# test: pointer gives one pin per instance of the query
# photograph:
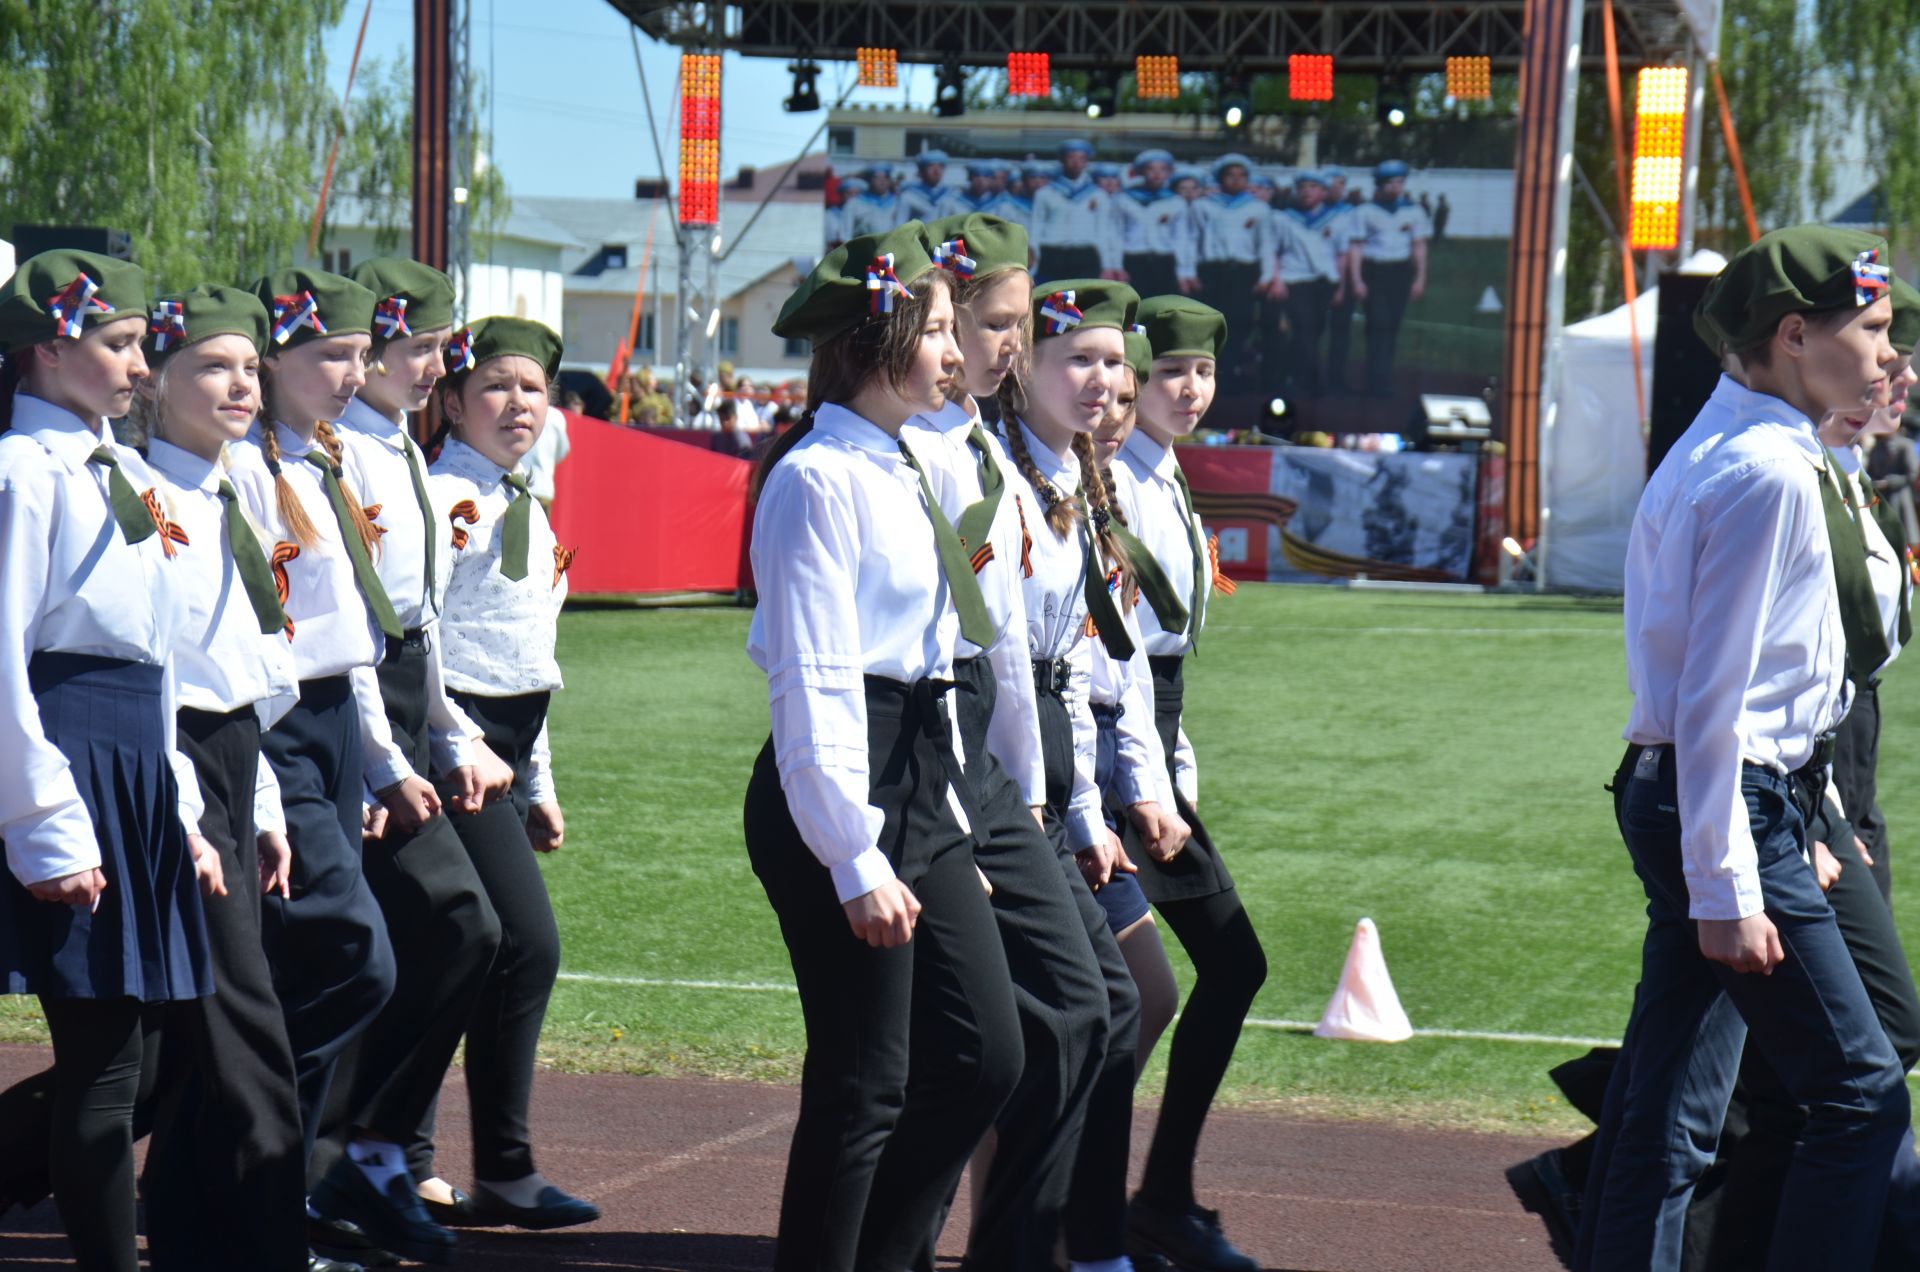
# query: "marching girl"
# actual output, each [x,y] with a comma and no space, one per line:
[98,811]
[913,1041]
[1191,889]
[227,1064]
[325,938]
[442,927]
[506,583]
[1076,1000]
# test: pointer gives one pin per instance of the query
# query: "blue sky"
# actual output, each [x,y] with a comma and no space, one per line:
[567,113]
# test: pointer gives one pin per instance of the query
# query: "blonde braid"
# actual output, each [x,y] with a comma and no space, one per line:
[1063,512]
[330,441]
[1103,507]
[293,513]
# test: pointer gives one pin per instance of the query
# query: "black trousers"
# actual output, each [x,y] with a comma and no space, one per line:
[1856,760]
[911,1051]
[228,1196]
[503,1031]
[1078,261]
[1340,341]
[1150,273]
[1308,304]
[1079,1016]
[332,963]
[1228,287]
[444,934]
[1388,285]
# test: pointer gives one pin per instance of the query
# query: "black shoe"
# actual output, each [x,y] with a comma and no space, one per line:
[331,1236]
[321,1263]
[1190,1239]
[392,1220]
[1542,1186]
[458,1213]
[552,1209]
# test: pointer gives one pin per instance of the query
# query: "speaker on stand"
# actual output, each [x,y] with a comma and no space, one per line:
[1684,369]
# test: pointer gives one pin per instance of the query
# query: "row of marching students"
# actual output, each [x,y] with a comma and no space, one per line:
[278,689]
[956,626]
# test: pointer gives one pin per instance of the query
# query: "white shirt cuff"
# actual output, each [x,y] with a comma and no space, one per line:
[861,874]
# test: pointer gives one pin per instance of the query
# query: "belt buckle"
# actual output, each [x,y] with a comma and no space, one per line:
[1647,767]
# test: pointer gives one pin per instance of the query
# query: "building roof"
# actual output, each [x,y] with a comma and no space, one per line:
[784,234]
[524,222]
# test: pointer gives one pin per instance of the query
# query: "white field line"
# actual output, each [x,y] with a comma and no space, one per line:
[1287,1026]
[1612,633]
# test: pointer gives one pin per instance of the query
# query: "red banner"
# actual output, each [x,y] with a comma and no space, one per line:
[647,514]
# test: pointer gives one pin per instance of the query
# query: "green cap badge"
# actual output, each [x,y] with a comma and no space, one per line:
[208,310]
[1181,327]
[311,304]
[862,277]
[1796,270]
[492,338]
[975,245]
[409,297]
[1077,304]
[59,294]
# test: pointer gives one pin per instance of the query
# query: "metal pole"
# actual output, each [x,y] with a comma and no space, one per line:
[1690,155]
[460,147]
[1556,309]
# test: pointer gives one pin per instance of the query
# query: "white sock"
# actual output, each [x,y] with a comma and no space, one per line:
[380,1162]
[524,1192]
[1121,1264]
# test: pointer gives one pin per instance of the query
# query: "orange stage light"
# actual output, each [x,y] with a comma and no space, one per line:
[879,68]
[1029,75]
[1470,78]
[1310,77]
[1659,141]
[1156,78]
[699,139]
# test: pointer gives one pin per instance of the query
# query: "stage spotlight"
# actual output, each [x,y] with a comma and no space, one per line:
[805,96]
[950,91]
[1277,408]
[1392,101]
[1310,77]
[1236,105]
[1103,91]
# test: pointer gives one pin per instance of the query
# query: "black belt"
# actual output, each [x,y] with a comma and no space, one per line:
[413,641]
[923,699]
[1050,676]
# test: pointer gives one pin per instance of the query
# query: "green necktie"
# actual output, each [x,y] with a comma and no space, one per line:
[1888,518]
[1202,571]
[1859,609]
[1102,608]
[515,529]
[363,571]
[1154,583]
[136,523]
[976,521]
[251,564]
[427,519]
[976,625]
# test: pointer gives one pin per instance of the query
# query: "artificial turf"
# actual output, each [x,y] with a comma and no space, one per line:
[1435,762]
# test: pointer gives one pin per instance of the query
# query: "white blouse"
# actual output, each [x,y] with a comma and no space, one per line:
[377,454]
[222,661]
[70,582]
[334,631]
[1157,515]
[1140,762]
[940,442]
[497,634]
[850,586]
[1057,628]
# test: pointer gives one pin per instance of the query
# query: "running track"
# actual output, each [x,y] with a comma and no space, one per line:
[688,1173]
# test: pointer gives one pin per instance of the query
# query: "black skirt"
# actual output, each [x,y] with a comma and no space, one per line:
[1198,871]
[148,938]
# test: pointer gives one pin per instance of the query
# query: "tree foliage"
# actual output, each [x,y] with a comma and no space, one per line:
[192,124]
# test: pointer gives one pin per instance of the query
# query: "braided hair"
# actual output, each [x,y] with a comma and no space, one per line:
[1094,506]
[286,500]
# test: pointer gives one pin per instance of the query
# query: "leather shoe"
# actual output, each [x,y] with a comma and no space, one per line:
[552,1209]
[458,1213]
[1190,1239]
[392,1220]
[321,1263]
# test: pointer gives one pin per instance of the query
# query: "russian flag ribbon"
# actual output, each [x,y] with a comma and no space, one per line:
[883,285]
[290,313]
[1869,277]
[75,301]
[1061,314]
[167,324]
[460,351]
[952,256]
[391,318]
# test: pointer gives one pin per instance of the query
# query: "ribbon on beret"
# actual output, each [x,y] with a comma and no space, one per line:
[1060,312]
[460,351]
[391,317]
[952,255]
[71,306]
[290,313]
[167,324]
[883,285]
[1869,278]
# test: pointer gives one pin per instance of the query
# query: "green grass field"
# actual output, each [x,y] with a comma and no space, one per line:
[1435,762]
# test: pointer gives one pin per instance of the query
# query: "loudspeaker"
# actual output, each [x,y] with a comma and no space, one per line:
[1684,369]
[31,240]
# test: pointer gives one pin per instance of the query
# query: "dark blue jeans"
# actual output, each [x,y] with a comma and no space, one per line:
[1810,1018]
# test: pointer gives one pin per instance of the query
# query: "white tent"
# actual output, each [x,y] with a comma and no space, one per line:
[6,260]
[1595,454]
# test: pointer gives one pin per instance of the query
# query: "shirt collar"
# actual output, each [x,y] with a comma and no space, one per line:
[291,447]
[1749,408]
[68,436]
[463,459]
[1158,459]
[836,421]
[362,417]
[955,418]
[1064,473]
[1849,458]
[183,465]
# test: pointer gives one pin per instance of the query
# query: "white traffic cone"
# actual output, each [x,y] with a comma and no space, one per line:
[1489,301]
[1364,1007]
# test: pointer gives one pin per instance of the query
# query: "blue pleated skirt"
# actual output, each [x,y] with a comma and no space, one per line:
[148,938]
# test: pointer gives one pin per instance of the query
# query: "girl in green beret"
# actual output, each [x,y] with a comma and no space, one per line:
[506,582]
[99,811]
[913,1042]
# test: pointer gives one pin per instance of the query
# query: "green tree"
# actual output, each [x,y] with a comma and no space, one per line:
[192,124]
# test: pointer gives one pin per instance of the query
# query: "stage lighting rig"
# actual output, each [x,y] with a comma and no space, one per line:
[1235,100]
[950,91]
[1393,102]
[805,96]
[1103,92]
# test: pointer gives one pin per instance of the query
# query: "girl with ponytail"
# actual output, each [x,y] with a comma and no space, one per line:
[327,941]
[850,813]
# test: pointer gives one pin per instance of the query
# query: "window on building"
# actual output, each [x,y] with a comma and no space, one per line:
[613,256]
[798,347]
[730,335]
[840,140]
[336,261]
[645,339]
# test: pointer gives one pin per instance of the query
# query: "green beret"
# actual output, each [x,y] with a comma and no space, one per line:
[188,317]
[1181,327]
[62,292]
[491,338]
[975,244]
[1082,304]
[1797,270]
[1905,332]
[1139,353]
[863,276]
[409,297]
[311,304]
